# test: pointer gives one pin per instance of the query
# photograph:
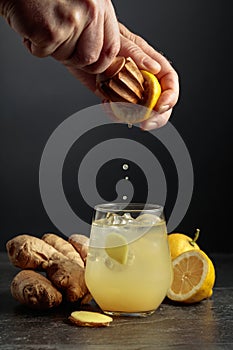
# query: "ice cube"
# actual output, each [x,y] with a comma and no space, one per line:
[148,219]
[128,217]
[131,258]
[115,219]
[93,255]
[113,265]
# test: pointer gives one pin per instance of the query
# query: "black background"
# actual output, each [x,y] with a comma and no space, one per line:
[36,95]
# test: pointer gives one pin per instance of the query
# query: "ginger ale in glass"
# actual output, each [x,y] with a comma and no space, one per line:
[128,267]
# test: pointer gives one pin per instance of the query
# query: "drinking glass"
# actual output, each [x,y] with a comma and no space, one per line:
[128,267]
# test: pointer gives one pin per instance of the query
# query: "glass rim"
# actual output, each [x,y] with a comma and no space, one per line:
[128,207]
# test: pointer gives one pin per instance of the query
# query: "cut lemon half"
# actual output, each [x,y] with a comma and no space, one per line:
[116,247]
[135,113]
[193,277]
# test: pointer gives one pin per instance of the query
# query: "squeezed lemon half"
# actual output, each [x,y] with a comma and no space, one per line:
[116,247]
[152,91]
[134,113]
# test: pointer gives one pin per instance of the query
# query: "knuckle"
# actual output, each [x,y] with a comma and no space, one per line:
[137,39]
[133,49]
[47,37]
[112,51]
[88,59]
[92,8]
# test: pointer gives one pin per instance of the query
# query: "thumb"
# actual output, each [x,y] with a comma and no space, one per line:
[142,60]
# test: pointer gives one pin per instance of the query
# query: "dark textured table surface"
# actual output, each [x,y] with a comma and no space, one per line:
[207,325]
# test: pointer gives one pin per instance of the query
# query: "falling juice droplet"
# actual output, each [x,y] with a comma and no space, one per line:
[125,167]
[126,178]
[124,198]
[130,126]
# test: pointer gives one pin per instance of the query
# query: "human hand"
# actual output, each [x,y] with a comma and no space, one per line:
[79,33]
[85,38]
[146,57]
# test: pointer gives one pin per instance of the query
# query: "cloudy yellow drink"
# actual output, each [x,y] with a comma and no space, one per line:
[128,267]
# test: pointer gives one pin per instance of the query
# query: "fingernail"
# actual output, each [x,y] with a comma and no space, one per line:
[150,126]
[151,65]
[163,109]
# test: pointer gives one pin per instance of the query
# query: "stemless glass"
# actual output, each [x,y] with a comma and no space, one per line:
[128,267]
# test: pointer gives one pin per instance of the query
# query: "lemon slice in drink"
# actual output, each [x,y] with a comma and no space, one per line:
[116,247]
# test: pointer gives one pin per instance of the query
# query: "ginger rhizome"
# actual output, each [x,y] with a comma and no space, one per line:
[63,247]
[31,288]
[80,243]
[62,264]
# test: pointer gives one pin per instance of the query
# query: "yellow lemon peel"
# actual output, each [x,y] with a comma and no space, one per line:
[180,243]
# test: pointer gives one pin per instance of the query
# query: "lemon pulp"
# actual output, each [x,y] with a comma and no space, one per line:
[194,277]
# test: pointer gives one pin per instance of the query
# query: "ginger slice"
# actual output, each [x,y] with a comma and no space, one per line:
[90,319]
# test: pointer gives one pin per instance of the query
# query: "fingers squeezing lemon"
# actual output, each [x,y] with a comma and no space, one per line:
[132,93]
[135,113]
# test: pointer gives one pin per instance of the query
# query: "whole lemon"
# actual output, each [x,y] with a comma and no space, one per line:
[180,243]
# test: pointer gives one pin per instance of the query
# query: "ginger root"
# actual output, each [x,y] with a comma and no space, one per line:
[29,252]
[80,243]
[34,290]
[63,247]
[63,265]
[68,276]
